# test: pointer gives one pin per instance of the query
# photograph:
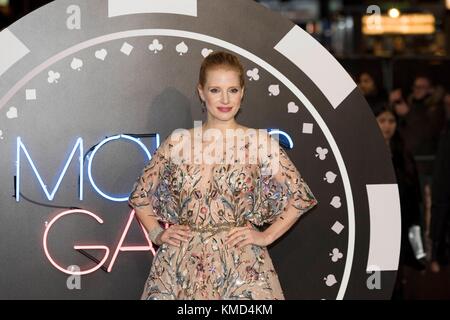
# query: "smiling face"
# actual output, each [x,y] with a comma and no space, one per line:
[222,93]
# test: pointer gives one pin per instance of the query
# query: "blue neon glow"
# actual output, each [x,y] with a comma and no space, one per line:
[91,157]
[284,134]
[50,196]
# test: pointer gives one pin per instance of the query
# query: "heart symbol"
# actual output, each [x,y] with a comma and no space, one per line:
[274,90]
[330,280]
[101,54]
[336,202]
[181,48]
[206,52]
[330,177]
[292,107]
[12,113]
[76,64]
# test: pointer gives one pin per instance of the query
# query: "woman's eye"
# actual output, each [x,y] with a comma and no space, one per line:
[217,90]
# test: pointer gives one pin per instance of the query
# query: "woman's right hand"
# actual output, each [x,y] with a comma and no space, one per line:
[175,234]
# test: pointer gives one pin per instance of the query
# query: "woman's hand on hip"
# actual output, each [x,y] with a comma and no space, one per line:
[175,234]
[242,236]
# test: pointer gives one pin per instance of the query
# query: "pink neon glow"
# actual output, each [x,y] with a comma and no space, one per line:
[130,248]
[57,266]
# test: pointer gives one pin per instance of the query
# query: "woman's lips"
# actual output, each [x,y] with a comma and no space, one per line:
[224,109]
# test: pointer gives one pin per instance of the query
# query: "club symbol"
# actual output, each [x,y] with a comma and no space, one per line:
[321,153]
[53,76]
[253,74]
[335,255]
[155,46]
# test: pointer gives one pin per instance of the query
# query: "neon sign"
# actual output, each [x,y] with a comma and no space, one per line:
[78,146]
[121,136]
[106,250]
[50,196]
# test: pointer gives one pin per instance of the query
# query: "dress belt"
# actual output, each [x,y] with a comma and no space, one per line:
[213,228]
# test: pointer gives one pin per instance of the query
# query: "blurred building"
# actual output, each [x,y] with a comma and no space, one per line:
[393,40]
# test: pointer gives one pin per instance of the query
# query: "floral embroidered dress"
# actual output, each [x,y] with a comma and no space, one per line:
[212,199]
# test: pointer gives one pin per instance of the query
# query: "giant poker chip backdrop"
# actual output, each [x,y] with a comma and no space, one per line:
[88,89]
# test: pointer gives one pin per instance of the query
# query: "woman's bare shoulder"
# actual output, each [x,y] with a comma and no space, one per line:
[177,133]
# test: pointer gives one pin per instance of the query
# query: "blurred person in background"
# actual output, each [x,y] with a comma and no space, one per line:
[411,250]
[421,121]
[371,90]
[440,210]
[398,103]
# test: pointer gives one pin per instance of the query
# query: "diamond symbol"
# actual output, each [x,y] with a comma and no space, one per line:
[126,48]
[30,94]
[307,128]
[337,227]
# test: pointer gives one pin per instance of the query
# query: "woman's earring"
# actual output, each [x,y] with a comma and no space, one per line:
[203,106]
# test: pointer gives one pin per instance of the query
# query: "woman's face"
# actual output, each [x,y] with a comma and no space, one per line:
[222,93]
[366,83]
[387,123]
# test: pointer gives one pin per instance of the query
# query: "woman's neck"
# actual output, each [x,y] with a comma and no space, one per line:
[221,125]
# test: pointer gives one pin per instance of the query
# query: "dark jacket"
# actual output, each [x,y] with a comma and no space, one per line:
[440,209]
[422,126]
[410,195]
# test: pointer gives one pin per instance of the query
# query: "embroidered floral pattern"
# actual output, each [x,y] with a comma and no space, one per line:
[205,268]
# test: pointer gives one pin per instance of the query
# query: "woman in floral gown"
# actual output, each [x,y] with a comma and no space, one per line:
[213,247]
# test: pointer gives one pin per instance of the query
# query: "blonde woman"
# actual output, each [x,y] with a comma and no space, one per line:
[213,247]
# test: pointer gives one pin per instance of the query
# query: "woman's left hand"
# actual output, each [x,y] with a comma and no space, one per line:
[242,236]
